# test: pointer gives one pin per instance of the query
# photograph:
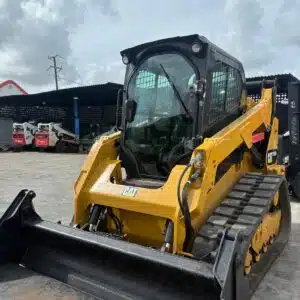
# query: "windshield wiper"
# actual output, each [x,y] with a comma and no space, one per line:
[176,92]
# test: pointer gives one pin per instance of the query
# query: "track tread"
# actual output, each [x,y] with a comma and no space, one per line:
[209,231]
[237,195]
[253,210]
[245,180]
[258,201]
[243,208]
[263,193]
[243,187]
[225,211]
[232,202]
[217,220]
[247,220]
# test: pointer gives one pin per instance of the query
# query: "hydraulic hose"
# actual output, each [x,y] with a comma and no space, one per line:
[183,201]
[178,188]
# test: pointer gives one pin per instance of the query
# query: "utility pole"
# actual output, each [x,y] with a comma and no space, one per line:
[54,66]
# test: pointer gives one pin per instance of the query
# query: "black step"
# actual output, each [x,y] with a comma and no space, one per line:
[247,220]
[243,188]
[244,180]
[267,186]
[238,195]
[264,194]
[226,211]
[258,201]
[271,179]
[246,229]
[218,220]
[209,232]
[232,202]
[253,210]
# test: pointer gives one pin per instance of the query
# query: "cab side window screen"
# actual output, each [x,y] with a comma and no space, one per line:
[234,90]
[225,92]
[219,82]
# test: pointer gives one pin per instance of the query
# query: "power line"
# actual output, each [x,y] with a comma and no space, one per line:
[55,67]
[69,80]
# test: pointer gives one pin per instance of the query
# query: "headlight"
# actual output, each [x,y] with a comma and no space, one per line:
[196,47]
[125,59]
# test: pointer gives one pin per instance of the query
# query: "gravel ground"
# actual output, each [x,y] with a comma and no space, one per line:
[52,176]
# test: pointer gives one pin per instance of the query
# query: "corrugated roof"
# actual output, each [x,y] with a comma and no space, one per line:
[282,82]
[273,76]
[109,85]
[101,94]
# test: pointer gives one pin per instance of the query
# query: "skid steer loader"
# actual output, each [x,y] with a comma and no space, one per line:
[185,201]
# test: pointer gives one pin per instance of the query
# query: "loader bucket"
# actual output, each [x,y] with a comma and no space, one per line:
[106,267]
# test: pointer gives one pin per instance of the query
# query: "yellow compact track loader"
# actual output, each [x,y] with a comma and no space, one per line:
[185,201]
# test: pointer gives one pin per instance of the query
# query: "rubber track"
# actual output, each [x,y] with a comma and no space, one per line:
[243,209]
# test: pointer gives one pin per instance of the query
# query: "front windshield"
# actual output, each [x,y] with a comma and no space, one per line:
[160,122]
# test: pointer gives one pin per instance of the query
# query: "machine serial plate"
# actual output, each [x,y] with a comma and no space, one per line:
[129,191]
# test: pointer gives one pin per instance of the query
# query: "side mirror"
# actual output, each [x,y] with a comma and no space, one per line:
[130,110]
[201,87]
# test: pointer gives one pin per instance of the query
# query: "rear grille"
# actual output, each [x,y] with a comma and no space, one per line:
[18,136]
[41,136]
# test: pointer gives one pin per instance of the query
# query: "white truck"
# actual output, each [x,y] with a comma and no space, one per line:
[53,136]
[23,135]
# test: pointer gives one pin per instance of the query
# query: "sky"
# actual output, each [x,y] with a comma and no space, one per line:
[88,36]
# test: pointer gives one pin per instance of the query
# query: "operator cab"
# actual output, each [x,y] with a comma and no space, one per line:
[177,91]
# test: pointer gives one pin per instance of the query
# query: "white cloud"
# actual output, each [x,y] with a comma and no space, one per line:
[90,34]
[35,29]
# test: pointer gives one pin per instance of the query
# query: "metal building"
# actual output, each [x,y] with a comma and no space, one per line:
[87,111]
[283,81]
